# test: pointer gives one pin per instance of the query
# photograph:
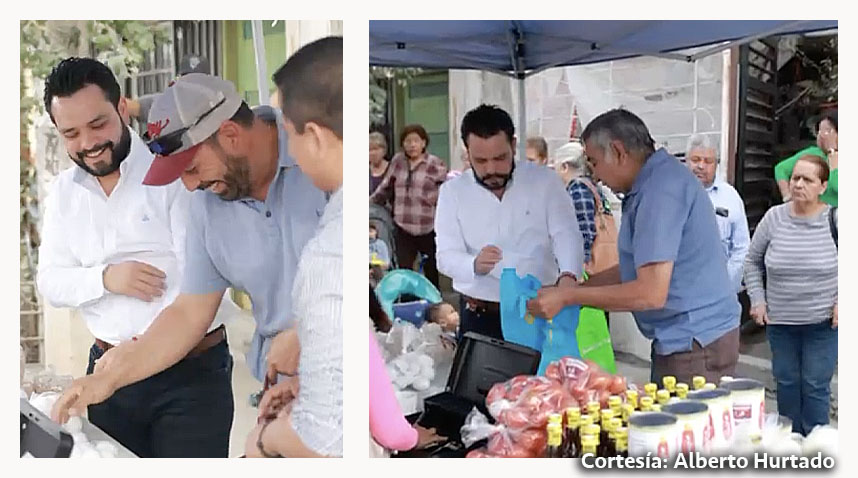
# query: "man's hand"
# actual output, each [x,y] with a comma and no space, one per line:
[250,448]
[135,279]
[278,397]
[427,437]
[549,302]
[760,314]
[834,317]
[83,392]
[283,354]
[486,260]
[567,281]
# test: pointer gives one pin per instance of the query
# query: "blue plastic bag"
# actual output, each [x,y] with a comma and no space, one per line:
[555,338]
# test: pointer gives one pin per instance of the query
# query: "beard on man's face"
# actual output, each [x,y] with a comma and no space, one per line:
[118,153]
[494,182]
[236,180]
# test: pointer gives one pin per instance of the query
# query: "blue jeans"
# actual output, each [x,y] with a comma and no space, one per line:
[804,359]
[184,411]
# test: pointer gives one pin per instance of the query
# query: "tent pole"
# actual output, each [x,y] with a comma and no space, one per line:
[522,119]
[261,67]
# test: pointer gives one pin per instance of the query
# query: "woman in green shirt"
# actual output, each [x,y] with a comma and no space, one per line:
[826,148]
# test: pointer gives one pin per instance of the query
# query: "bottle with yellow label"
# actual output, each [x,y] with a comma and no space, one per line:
[622,435]
[589,444]
[614,424]
[627,412]
[593,408]
[650,390]
[556,418]
[607,416]
[571,436]
[595,431]
[697,382]
[555,441]
[632,398]
[586,420]
[615,402]
[682,391]
[656,407]
[663,396]
[709,386]
[646,404]
[669,382]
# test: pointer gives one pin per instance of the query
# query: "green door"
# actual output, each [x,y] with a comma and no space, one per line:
[426,102]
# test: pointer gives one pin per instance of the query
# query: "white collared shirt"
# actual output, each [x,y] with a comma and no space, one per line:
[84,230]
[534,225]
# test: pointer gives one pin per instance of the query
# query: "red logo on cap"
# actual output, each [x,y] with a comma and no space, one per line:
[154,129]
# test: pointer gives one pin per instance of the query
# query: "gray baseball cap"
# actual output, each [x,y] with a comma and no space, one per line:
[187,113]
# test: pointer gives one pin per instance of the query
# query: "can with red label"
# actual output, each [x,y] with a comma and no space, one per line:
[653,432]
[749,406]
[719,430]
[693,422]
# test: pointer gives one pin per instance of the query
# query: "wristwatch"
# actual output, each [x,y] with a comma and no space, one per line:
[261,447]
[566,274]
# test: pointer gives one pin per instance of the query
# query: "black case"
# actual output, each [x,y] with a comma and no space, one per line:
[42,437]
[480,362]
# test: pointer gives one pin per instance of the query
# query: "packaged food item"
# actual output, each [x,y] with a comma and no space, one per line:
[653,432]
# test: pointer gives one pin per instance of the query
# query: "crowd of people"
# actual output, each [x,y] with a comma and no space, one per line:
[679,260]
[145,235]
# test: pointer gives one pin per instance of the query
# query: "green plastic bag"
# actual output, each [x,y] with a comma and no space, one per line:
[594,339]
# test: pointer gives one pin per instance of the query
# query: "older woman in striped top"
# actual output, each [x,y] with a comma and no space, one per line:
[791,275]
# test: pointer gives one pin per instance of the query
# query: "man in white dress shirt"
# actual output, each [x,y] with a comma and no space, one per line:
[502,214]
[115,249]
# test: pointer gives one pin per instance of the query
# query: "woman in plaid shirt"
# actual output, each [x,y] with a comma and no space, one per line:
[411,185]
[571,165]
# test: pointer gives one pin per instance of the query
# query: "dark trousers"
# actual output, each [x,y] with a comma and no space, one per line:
[804,358]
[479,321]
[712,361]
[183,412]
[407,248]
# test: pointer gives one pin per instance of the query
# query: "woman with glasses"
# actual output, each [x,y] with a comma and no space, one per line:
[412,183]
[825,148]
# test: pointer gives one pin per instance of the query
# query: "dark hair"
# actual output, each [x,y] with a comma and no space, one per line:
[377,314]
[73,74]
[373,227]
[486,121]
[433,312]
[822,169]
[244,117]
[414,128]
[311,85]
[539,144]
[623,126]
[830,115]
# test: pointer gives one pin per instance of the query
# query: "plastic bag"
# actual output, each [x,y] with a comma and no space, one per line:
[477,427]
[822,439]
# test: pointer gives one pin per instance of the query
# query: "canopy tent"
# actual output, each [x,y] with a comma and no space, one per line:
[525,47]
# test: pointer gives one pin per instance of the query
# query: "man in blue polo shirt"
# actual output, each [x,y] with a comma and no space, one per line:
[672,273]
[252,214]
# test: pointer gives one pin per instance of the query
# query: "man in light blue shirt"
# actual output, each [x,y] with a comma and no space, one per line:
[701,157]
[252,214]
[672,274]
